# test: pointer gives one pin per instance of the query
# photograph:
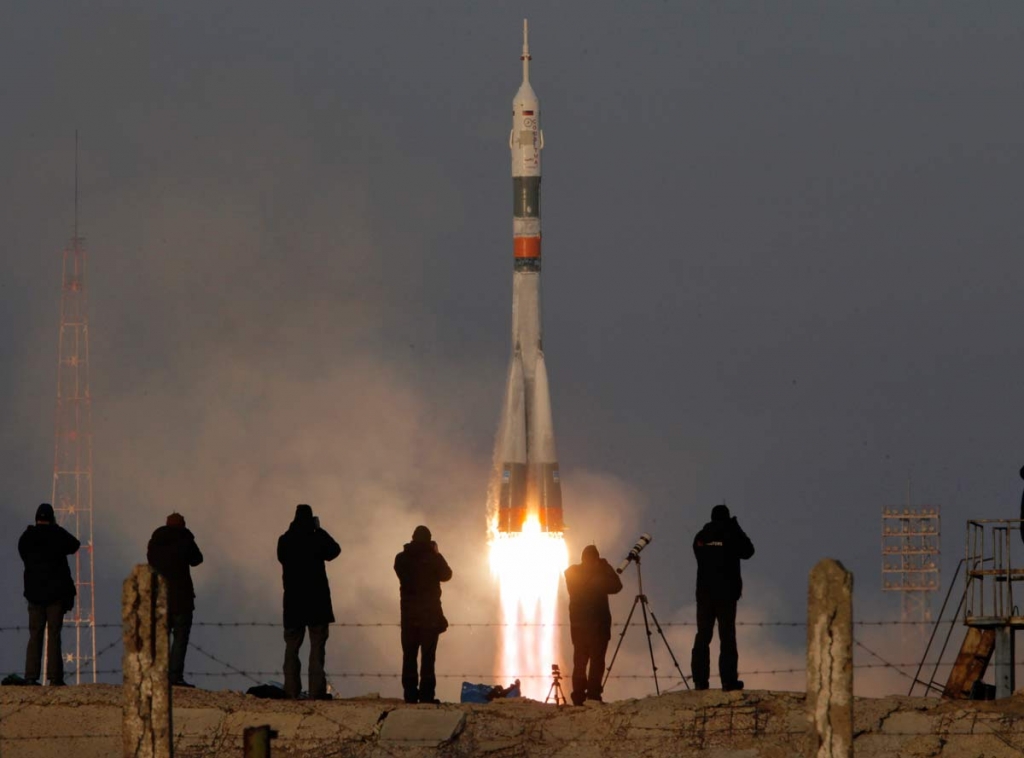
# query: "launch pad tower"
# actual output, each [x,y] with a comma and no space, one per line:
[72,455]
[910,562]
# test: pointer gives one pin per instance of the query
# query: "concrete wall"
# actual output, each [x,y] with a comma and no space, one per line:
[85,721]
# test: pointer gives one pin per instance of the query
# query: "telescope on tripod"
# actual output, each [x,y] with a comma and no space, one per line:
[634,553]
[633,556]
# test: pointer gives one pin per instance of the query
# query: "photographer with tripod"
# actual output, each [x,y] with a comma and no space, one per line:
[719,547]
[589,583]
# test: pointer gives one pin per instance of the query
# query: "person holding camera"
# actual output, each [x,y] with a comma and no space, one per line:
[719,547]
[173,551]
[589,583]
[50,591]
[303,550]
[421,568]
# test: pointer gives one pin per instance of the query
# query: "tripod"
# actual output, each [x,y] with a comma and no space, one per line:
[556,687]
[645,608]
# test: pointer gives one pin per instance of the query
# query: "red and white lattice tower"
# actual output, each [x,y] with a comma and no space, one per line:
[72,454]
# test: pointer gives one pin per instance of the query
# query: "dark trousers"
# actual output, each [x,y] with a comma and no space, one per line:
[588,651]
[417,640]
[180,629]
[293,638]
[712,608]
[48,618]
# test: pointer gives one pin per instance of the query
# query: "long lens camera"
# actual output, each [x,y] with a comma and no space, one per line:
[634,554]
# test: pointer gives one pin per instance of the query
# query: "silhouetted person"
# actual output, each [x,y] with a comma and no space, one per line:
[302,551]
[172,551]
[719,547]
[50,592]
[421,568]
[589,583]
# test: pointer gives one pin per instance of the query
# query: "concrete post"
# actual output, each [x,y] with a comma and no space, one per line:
[146,727]
[256,741]
[830,660]
[1006,661]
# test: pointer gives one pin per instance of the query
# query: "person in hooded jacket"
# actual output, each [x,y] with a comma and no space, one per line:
[303,550]
[589,583]
[173,551]
[50,591]
[421,568]
[719,547]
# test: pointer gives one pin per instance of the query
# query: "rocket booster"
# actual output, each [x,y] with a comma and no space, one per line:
[530,486]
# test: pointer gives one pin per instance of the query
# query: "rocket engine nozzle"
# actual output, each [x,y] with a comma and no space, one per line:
[530,490]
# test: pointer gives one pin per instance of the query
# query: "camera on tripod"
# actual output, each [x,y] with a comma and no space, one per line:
[634,554]
[555,690]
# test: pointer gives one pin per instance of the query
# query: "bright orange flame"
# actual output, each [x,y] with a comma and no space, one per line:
[528,566]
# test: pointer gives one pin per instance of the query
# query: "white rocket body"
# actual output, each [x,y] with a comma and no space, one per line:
[530,486]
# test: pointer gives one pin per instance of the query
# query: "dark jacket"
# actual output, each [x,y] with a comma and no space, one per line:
[421,569]
[719,547]
[589,584]
[302,551]
[44,549]
[172,551]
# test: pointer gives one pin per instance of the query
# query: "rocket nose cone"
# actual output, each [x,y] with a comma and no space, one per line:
[525,96]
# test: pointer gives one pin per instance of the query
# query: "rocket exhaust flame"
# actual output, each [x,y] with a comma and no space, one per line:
[528,566]
[528,552]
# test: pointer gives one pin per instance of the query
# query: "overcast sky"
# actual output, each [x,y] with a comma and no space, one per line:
[782,261]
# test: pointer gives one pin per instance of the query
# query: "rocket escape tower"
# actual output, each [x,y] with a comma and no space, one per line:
[72,455]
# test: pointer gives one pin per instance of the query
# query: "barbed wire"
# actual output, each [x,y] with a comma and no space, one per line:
[251,675]
[214,658]
[233,670]
[884,663]
[490,624]
[109,647]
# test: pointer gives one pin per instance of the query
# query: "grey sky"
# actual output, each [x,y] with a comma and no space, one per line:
[782,254]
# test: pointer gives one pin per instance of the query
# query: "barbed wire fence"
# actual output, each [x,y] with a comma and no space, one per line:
[227,670]
[490,624]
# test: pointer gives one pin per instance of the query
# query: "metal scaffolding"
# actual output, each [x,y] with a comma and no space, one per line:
[911,538]
[72,455]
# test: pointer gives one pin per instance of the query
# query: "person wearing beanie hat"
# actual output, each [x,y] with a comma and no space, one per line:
[303,550]
[589,583]
[44,548]
[719,548]
[421,568]
[172,551]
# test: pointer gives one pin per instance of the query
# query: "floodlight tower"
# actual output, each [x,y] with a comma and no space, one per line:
[910,561]
[72,450]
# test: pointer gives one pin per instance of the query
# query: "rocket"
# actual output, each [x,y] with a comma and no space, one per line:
[530,487]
